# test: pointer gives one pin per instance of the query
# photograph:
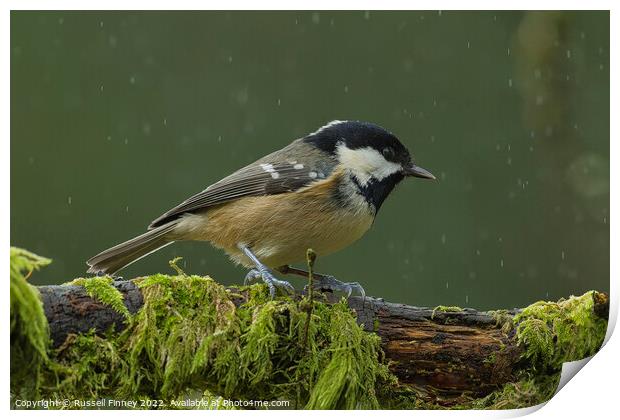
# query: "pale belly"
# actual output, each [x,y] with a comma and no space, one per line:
[279,230]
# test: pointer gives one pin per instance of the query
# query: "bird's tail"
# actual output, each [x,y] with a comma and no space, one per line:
[112,260]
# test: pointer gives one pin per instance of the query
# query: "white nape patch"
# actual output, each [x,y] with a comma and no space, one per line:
[275,175]
[298,166]
[267,167]
[329,124]
[366,163]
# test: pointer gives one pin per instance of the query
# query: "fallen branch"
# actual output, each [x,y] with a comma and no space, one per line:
[445,356]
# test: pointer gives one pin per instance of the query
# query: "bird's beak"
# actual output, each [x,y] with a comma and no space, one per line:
[418,172]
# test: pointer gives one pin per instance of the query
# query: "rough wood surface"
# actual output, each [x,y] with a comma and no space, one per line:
[444,353]
[447,352]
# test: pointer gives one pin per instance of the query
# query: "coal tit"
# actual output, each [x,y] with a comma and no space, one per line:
[322,191]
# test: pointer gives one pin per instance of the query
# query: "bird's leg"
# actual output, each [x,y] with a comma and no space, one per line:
[326,282]
[262,272]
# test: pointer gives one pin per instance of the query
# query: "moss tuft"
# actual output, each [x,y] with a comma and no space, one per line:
[442,308]
[529,391]
[102,290]
[29,329]
[556,332]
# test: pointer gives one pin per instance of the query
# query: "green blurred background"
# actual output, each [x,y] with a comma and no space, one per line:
[118,116]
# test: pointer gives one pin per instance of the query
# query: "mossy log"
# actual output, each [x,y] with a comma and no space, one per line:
[169,336]
[447,351]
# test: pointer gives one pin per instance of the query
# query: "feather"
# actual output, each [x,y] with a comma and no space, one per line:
[276,173]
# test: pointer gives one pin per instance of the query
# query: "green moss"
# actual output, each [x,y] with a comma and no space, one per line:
[102,290]
[29,329]
[190,336]
[556,332]
[190,343]
[529,391]
[442,308]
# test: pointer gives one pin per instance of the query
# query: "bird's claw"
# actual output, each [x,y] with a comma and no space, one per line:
[270,280]
[333,284]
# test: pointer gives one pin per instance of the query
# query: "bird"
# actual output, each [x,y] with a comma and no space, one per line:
[322,191]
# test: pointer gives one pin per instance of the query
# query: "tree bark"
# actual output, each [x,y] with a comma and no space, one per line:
[445,353]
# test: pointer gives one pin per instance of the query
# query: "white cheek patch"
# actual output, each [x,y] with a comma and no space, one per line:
[366,163]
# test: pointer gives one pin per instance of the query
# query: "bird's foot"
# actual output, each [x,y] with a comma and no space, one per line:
[331,283]
[269,279]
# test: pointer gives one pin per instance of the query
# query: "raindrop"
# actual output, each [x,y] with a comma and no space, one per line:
[539,99]
[101,88]
[69,200]
[466,298]
[510,83]
[549,131]
[126,140]
[447,285]
[531,148]
[126,209]
[478,252]
[165,121]
[61,21]
[563,256]
[583,35]
[468,44]
[316,18]
[219,139]
[346,89]
[501,263]
[230,58]
[568,54]
[366,15]
[509,160]
[109,138]
[508,50]
[146,128]
[439,13]
[443,239]
[132,80]
[279,101]
[601,67]
[101,24]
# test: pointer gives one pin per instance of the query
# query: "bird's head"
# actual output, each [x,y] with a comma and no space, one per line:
[369,151]
[375,158]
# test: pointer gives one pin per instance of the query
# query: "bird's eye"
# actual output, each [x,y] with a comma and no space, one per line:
[388,153]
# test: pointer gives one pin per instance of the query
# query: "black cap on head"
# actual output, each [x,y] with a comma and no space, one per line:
[358,135]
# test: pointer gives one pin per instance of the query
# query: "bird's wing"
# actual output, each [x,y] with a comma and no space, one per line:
[274,174]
